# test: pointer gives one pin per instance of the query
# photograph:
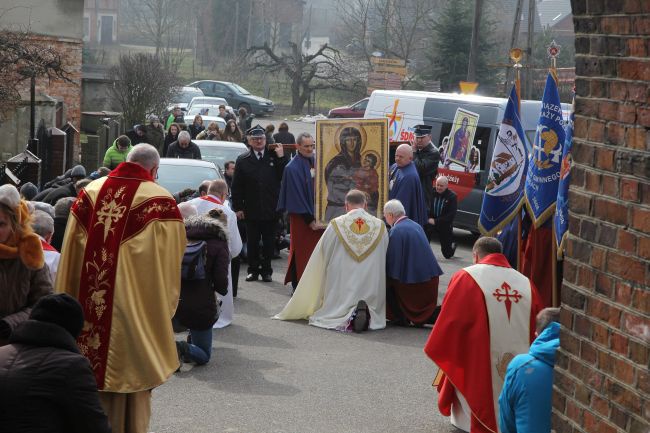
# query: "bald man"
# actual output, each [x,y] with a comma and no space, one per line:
[404,185]
[441,216]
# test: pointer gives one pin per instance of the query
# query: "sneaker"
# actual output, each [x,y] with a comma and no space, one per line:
[362,318]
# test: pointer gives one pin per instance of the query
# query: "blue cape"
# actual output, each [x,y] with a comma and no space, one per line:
[408,190]
[409,258]
[297,188]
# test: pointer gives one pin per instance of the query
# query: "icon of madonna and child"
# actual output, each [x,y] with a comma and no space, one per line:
[356,165]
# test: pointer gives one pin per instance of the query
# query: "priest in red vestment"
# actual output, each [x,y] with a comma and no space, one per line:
[487,318]
[412,270]
[297,198]
[121,259]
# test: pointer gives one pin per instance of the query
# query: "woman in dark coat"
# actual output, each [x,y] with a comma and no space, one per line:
[47,386]
[172,135]
[197,308]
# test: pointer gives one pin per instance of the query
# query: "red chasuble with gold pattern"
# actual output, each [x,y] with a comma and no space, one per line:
[122,253]
[476,313]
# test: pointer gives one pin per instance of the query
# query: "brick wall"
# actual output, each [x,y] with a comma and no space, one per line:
[68,92]
[601,378]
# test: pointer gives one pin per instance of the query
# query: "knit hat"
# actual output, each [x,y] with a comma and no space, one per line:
[62,310]
[9,196]
[78,171]
[28,190]
[153,118]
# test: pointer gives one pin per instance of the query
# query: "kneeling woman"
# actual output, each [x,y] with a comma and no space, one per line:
[198,309]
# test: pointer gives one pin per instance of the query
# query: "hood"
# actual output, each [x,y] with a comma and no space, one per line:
[114,147]
[204,227]
[546,344]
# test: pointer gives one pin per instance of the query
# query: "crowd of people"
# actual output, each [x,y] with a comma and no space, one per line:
[88,238]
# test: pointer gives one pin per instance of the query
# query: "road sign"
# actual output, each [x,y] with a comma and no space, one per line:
[400,70]
[387,62]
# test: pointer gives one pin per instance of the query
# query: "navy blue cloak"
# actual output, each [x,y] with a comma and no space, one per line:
[409,258]
[406,188]
[297,188]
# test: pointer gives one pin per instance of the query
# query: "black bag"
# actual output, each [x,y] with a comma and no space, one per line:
[194,261]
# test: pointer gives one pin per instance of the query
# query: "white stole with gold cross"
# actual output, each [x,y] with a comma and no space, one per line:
[508,301]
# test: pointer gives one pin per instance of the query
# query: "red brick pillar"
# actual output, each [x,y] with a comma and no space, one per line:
[601,378]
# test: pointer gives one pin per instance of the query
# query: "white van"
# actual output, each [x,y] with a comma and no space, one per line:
[407,108]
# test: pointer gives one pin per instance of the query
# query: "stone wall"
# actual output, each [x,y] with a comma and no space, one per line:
[601,378]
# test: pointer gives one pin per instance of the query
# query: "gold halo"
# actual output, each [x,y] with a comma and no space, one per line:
[354,125]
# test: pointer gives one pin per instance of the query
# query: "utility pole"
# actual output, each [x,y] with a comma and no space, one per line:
[250,20]
[473,49]
[236,34]
[529,49]
[513,39]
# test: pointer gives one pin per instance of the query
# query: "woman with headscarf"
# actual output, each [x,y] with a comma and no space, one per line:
[24,278]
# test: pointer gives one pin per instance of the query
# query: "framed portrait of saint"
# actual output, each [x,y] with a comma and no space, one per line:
[350,154]
[461,137]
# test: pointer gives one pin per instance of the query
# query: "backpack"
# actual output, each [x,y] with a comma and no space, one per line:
[194,261]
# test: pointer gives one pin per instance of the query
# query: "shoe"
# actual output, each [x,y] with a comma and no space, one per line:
[362,318]
[252,277]
[267,278]
[183,352]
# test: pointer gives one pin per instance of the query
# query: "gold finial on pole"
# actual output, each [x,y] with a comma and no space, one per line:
[553,51]
[516,54]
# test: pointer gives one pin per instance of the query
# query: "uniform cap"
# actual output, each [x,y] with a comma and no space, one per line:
[422,130]
[256,131]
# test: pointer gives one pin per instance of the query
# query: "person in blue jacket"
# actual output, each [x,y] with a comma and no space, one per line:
[525,400]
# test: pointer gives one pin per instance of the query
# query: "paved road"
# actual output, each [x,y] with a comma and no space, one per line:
[270,376]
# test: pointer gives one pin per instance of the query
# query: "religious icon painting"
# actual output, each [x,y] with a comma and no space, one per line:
[351,154]
[462,137]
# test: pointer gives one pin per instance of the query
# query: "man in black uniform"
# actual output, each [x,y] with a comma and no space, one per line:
[426,159]
[255,191]
[441,216]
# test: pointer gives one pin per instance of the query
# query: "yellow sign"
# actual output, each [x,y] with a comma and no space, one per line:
[468,87]
[387,62]
[399,70]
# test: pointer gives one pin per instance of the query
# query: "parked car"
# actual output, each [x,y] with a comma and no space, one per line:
[210,101]
[220,152]
[236,96]
[183,96]
[177,174]
[358,109]
[209,113]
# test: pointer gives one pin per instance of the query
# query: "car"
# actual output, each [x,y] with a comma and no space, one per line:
[220,152]
[178,174]
[209,113]
[237,96]
[357,109]
[183,96]
[210,100]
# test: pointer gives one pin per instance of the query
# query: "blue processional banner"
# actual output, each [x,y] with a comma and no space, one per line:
[504,191]
[562,207]
[543,175]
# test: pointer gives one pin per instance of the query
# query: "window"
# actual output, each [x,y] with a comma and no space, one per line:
[86,37]
[206,86]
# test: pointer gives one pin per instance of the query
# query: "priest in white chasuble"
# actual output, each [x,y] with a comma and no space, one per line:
[487,318]
[343,286]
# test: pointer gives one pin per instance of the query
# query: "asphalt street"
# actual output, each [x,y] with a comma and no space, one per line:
[272,376]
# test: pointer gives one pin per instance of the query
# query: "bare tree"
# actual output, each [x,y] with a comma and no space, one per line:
[324,69]
[396,29]
[142,84]
[23,58]
[165,24]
